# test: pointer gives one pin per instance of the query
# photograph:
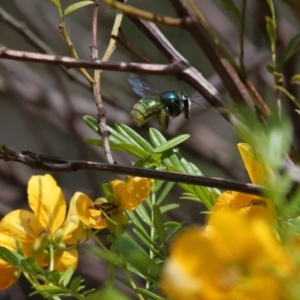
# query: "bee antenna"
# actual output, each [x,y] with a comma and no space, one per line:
[197,102]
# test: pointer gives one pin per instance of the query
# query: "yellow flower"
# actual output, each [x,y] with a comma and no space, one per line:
[127,196]
[46,227]
[131,193]
[260,173]
[235,258]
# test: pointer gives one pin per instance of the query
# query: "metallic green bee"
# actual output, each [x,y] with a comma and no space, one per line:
[162,105]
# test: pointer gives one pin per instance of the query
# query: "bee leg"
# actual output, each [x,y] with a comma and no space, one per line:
[163,117]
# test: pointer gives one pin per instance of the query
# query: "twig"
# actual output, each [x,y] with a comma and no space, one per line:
[97,90]
[136,12]
[66,37]
[71,62]
[56,164]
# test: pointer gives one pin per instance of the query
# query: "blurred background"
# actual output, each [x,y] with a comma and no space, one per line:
[41,106]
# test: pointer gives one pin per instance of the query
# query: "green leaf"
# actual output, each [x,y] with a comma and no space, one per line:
[157,185]
[295,79]
[142,212]
[75,284]
[56,3]
[142,143]
[46,289]
[136,222]
[156,137]
[148,242]
[76,6]
[159,223]
[134,150]
[127,133]
[271,30]
[10,257]
[92,122]
[53,276]
[66,276]
[108,294]
[270,68]
[204,196]
[148,294]
[172,224]
[288,52]
[229,5]
[168,207]
[153,160]
[172,143]
[30,265]
[165,192]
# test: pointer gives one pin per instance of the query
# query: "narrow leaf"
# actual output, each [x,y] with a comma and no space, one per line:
[92,122]
[295,79]
[271,30]
[148,294]
[75,284]
[9,256]
[172,143]
[76,6]
[229,5]
[142,143]
[289,51]
[53,276]
[66,276]
[159,224]
[30,265]
[156,137]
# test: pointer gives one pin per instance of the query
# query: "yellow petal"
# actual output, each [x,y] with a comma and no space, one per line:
[66,260]
[258,170]
[229,260]
[8,273]
[8,276]
[250,205]
[132,192]
[47,201]
[22,225]
[87,214]
[70,223]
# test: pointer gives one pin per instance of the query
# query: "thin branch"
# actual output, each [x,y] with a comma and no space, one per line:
[140,13]
[97,90]
[71,62]
[56,164]
[65,35]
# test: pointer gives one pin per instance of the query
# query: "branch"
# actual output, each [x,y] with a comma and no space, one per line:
[56,164]
[71,62]
[97,90]
[140,13]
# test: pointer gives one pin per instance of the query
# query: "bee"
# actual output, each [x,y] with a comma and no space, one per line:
[161,105]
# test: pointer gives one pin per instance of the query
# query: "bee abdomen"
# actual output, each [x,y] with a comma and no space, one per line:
[145,109]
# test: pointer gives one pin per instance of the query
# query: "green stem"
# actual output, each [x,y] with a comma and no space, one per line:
[132,283]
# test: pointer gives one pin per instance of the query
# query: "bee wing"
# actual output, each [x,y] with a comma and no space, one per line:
[141,87]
